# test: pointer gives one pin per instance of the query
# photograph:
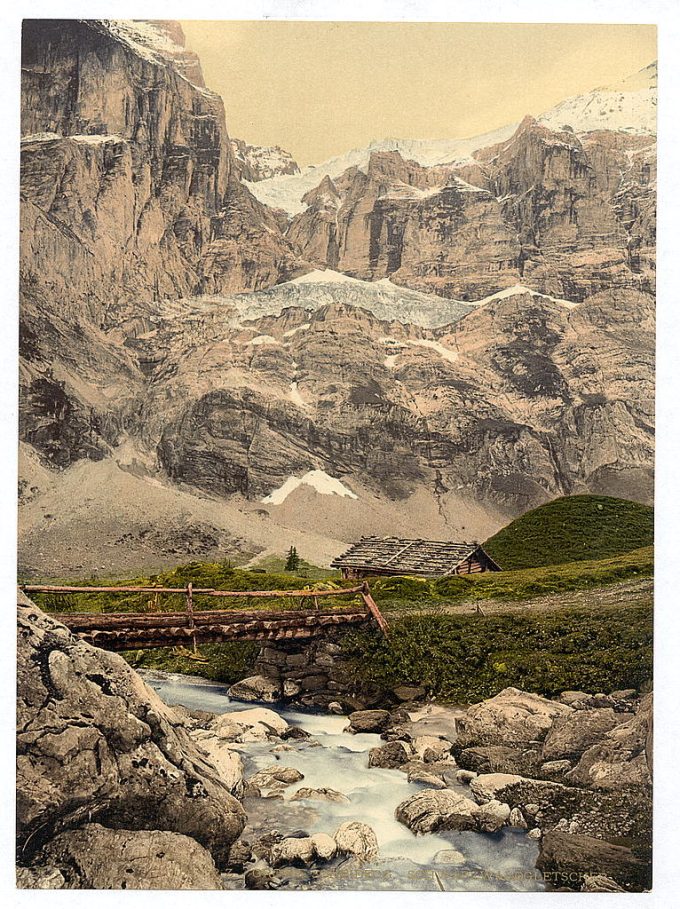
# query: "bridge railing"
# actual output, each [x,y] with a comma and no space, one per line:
[192,616]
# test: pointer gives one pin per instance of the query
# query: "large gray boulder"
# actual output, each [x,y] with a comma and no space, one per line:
[368,721]
[96,858]
[437,809]
[257,688]
[356,839]
[573,734]
[512,718]
[94,743]
[622,758]
[567,859]
[390,755]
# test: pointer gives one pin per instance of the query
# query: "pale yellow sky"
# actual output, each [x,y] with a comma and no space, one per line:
[321,88]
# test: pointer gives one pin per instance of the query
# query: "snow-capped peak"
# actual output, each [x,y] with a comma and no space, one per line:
[629,106]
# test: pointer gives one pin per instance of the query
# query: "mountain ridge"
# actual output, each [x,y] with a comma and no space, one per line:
[287,193]
[456,342]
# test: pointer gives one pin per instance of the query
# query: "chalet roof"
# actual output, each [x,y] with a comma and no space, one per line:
[419,557]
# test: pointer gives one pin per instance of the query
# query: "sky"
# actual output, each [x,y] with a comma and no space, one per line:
[318,89]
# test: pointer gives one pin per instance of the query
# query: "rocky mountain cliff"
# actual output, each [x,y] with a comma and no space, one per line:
[509,403]
[461,339]
[564,214]
[257,162]
[129,192]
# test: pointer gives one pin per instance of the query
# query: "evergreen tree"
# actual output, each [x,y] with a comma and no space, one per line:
[293,560]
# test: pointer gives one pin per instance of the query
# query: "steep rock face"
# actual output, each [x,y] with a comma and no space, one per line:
[95,744]
[421,225]
[150,167]
[521,400]
[128,193]
[566,215]
[257,162]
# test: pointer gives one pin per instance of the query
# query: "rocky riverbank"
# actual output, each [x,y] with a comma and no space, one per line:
[119,790]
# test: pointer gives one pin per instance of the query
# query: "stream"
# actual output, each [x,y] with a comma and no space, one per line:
[450,860]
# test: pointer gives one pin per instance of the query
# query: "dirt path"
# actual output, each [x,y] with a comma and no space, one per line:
[624,594]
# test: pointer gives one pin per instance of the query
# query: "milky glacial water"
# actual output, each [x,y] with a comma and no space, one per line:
[338,760]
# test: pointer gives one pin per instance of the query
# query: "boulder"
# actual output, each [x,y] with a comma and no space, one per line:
[274,779]
[492,816]
[391,755]
[431,749]
[620,759]
[565,859]
[437,809]
[257,688]
[356,839]
[255,719]
[500,759]
[325,846]
[319,795]
[96,858]
[428,779]
[228,762]
[512,718]
[465,777]
[489,786]
[573,734]
[96,744]
[409,693]
[368,721]
[297,851]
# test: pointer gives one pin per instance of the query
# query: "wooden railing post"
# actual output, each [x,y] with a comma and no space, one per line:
[373,608]
[190,610]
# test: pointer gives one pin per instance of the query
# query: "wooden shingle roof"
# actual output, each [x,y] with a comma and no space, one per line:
[430,558]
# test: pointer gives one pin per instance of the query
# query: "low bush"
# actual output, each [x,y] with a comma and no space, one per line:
[467,658]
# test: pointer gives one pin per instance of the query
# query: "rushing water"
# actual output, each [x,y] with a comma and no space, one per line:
[452,860]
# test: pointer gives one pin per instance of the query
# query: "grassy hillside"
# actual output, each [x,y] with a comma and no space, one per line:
[571,529]
[411,594]
[462,659]
[391,593]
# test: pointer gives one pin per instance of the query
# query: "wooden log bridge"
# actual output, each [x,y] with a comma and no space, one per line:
[146,630]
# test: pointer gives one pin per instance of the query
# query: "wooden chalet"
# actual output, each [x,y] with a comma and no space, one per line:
[423,558]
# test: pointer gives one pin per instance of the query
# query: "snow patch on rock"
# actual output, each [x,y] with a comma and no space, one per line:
[262,340]
[518,290]
[319,480]
[325,276]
